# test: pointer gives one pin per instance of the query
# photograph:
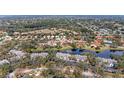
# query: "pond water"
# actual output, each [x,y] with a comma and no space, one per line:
[103,54]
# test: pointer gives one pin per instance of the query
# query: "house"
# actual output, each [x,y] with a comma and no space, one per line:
[109,63]
[8,38]
[4,37]
[93,46]
[52,43]
[4,62]
[96,44]
[17,53]
[107,43]
[16,33]
[80,43]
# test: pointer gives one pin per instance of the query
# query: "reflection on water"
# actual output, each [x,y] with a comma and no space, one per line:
[103,54]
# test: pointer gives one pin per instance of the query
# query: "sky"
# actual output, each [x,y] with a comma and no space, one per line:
[89,7]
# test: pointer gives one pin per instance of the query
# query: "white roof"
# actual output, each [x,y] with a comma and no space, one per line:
[4,61]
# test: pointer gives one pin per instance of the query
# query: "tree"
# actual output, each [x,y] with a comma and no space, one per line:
[50,64]
[4,70]
[73,45]
[38,61]
[51,55]
[52,73]
[91,58]
[24,62]
[28,46]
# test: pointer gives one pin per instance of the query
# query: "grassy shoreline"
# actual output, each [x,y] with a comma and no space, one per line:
[103,49]
[69,48]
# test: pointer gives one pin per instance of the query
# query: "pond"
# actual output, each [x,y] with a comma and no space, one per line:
[103,54]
